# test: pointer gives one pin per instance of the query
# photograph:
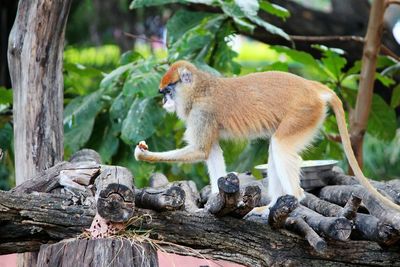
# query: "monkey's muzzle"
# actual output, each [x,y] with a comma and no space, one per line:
[168,92]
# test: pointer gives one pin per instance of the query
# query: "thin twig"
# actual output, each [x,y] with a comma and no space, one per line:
[344,38]
[134,36]
[390,2]
[327,38]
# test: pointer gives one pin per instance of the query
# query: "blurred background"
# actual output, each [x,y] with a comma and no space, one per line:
[117,50]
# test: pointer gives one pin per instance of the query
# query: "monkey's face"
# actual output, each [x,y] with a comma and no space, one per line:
[169,97]
[177,78]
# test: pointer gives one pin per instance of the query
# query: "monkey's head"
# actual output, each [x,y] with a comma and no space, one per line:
[178,76]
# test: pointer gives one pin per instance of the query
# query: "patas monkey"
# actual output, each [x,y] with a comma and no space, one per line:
[285,107]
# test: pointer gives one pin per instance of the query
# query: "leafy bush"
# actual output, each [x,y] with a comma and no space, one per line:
[126,108]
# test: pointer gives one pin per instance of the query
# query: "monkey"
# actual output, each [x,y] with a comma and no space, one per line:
[284,107]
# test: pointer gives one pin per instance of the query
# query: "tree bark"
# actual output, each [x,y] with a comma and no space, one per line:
[100,252]
[359,118]
[35,56]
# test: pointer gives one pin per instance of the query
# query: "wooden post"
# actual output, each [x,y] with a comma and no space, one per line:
[359,118]
[115,194]
[35,56]
[99,252]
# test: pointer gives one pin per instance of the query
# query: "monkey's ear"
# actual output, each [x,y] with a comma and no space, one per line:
[185,75]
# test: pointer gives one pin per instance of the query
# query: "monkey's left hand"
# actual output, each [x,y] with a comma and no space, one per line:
[140,150]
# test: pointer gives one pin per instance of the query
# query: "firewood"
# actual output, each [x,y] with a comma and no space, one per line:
[279,218]
[299,226]
[232,199]
[115,194]
[227,199]
[165,198]
[389,188]
[337,228]
[366,227]
[340,194]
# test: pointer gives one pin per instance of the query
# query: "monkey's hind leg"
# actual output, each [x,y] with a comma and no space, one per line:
[216,166]
[292,136]
[287,164]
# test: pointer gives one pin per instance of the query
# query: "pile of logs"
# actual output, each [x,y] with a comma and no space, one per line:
[339,223]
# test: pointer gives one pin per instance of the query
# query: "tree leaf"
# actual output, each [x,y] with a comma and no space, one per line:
[274,9]
[79,116]
[395,101]
[147,3]
[143,79]
[109,145]
[385,80]
[309,63]
[248,7]
[195,44]
[6,96]
[119,109]
[244,25]
[113,77]
[143,117]
[181,22]
[332,61]
[382,120]
[129,57]
[269,27]
[6,136]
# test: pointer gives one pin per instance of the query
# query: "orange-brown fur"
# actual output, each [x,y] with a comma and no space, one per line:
[280,105]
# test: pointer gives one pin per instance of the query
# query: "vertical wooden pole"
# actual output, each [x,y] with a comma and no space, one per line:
[359,118]
[35,56]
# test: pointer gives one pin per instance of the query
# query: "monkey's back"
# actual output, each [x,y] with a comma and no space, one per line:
[254,105]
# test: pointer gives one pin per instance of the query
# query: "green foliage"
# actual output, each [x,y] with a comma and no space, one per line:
[125,108]
[6,96]
[111,100]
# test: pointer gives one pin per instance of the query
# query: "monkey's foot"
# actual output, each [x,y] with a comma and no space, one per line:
[262,212]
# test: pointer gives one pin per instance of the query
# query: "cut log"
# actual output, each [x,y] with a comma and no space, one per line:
[232,199]
[366,227]
[45,181]
[227,199]
[280,211]
[98,252]
[333,227]
[192,196]
[115,194]
[299,226]
[158,180]
[340,194]
[85,155]
[388,188]
[160,199]
[350,209]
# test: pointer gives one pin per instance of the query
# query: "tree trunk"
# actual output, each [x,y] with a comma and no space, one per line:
[100,252]
[359,118]
[35,56]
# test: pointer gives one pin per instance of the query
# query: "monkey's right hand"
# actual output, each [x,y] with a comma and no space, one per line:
[140,150]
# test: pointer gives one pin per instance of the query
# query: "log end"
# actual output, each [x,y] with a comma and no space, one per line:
[229,184]
[281,210]
[114,208]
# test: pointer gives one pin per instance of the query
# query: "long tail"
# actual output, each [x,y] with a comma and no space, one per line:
[337,107]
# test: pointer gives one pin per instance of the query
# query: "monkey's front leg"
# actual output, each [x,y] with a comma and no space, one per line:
[186,154]
[216,166]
